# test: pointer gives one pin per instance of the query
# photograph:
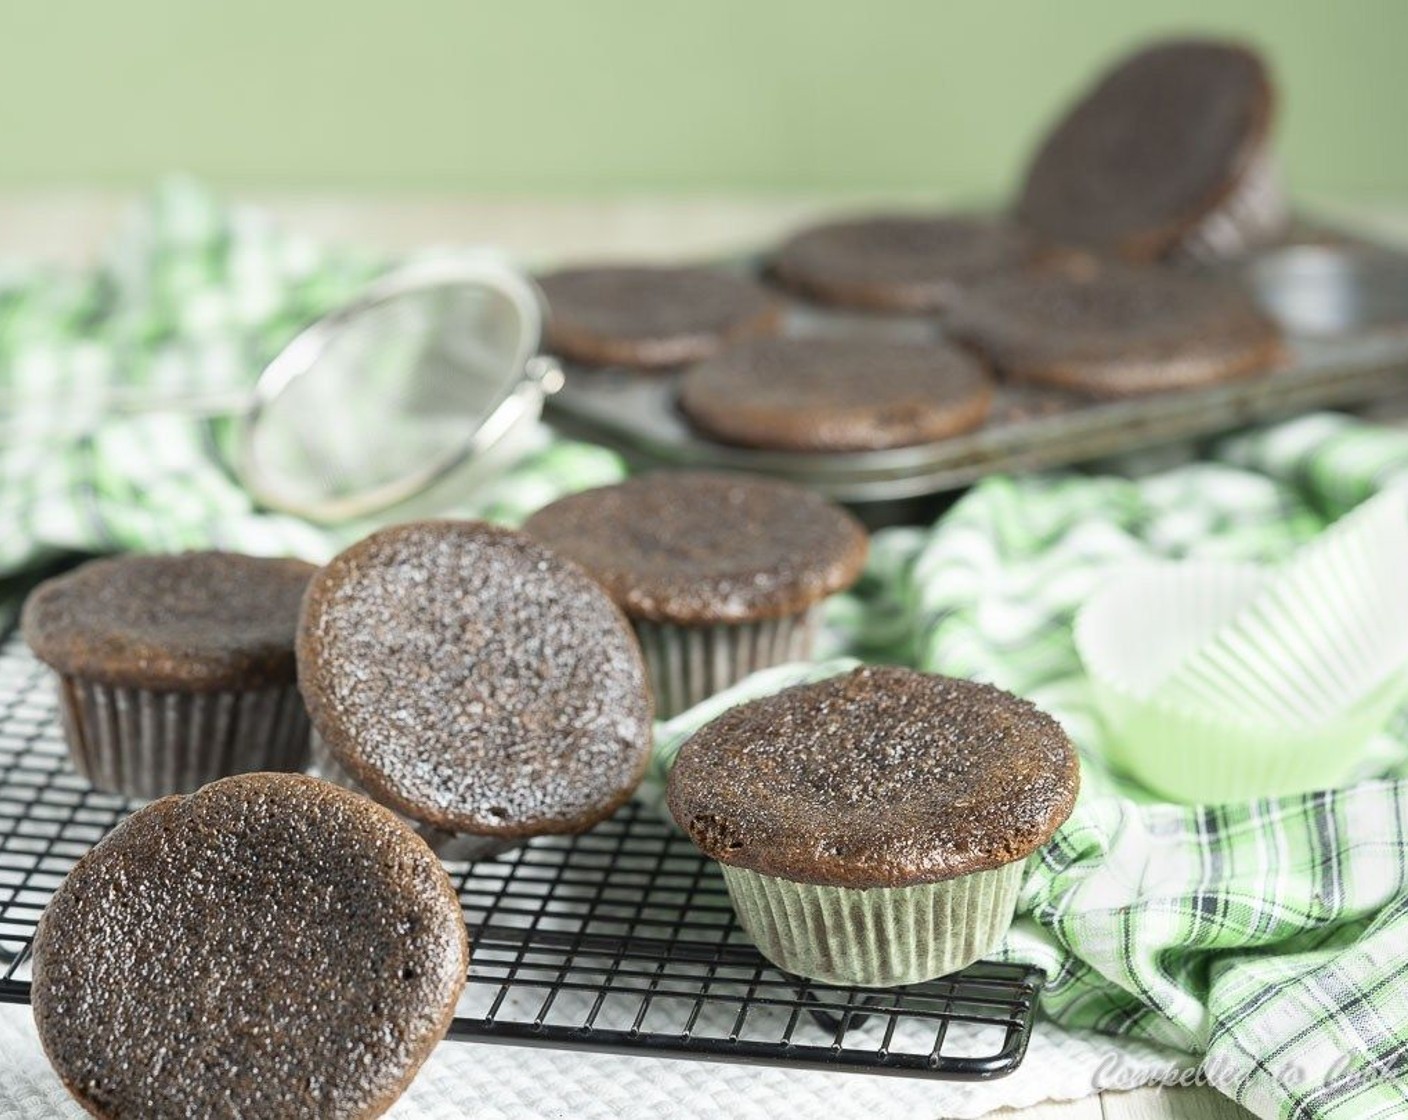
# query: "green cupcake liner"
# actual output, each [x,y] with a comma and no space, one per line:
[876,938]
[1186,756]
[1186,745]
[1319,634]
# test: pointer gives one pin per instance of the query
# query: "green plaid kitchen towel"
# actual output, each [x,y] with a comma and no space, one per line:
[1266,936]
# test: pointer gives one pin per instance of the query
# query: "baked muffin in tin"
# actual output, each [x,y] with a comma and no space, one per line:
[1114,330]
[836,394]
[651,317]
[899,263]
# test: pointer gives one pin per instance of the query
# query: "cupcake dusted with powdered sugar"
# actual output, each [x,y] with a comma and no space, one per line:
[466,677]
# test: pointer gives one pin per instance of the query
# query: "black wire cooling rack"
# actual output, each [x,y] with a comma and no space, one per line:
[621,940]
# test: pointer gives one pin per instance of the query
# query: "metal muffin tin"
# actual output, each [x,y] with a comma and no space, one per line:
[1342,302]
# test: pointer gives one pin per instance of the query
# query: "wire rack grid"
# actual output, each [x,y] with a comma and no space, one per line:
[621,940]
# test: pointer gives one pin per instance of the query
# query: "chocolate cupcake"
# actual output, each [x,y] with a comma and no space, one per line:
[721,574]
[1118,331]
[872,828]
[268,946]
[464,676]
[651,317]
[174,670]
[836,394]
[901,263]
[1169,154]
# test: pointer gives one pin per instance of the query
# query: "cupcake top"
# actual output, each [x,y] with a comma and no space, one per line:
[882,777]
[1148,153]
[698,548]
[896,262]
[650,317]
[836,394]
[193,622]
[472,680]
[270,939]
[1118,330]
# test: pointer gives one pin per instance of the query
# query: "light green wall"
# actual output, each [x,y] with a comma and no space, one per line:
[563,97]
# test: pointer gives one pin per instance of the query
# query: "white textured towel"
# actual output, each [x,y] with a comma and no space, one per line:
[464,1079]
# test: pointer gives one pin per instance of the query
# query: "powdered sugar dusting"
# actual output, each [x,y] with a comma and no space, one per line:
[474,681]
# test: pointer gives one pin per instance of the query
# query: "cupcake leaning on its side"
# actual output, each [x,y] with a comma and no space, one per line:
[478,685]
[174,670]
[1169,154]
[269,946]
[720,574]
[873,827]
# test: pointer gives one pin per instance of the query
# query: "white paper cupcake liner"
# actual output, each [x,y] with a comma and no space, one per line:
[1133,635]
[1320,634]
[1254,213]
[147,744]
[454,847]
[876,938]
[689,664]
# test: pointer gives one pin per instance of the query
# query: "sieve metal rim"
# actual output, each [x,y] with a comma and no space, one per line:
[534,377]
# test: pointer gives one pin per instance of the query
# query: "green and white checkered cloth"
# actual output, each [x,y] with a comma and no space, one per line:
[1267,936]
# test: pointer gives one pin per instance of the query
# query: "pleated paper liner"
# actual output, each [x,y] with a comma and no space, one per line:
[876,938]
[1323,631]
[689,664]
[1253,214]
[147,744]
[1134,634]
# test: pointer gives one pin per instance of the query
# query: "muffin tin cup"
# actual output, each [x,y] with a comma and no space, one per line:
[1141,626]
[1252,214]
[875,938]
[689,664]
[147,744]
[454,847]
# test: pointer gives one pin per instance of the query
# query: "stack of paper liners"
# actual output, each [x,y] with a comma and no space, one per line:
[1223,681]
